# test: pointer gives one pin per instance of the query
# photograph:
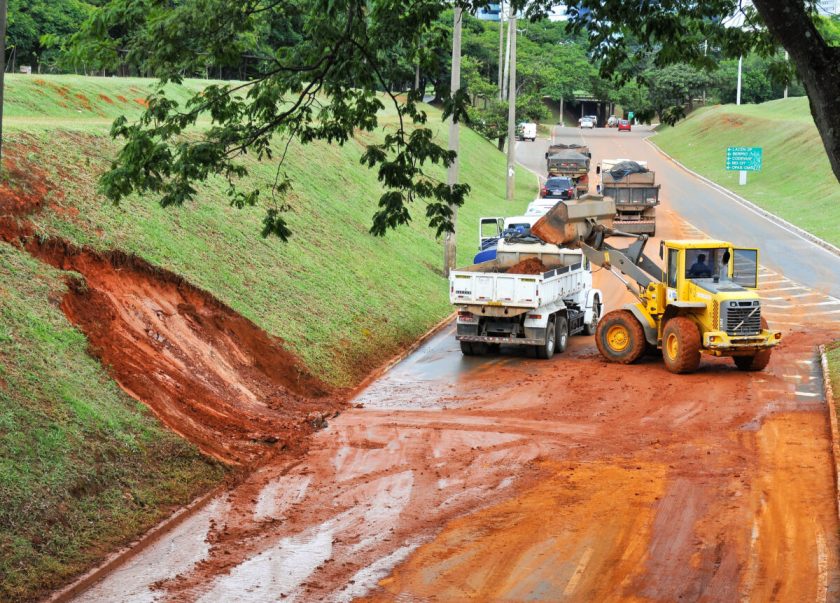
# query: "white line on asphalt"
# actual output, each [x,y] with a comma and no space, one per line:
[806,394]
[786,288]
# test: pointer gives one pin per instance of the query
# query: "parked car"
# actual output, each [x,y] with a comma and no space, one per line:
[558,188]
[587,122]
[624,125]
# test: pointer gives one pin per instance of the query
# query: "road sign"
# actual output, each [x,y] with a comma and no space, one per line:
[744,159]
[630,115]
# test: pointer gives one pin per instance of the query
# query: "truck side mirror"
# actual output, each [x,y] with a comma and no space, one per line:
[598,169]
[726,257]
[546,155]
[661,250]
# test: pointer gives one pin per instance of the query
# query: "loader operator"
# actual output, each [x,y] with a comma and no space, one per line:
[700,269]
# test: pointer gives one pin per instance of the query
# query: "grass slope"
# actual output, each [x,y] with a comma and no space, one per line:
[83,467]
[795,182]
[343,300]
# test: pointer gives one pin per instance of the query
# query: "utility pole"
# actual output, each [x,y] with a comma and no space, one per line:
[738,91]
[511,150]
[507,60]
[3,7]
[501,49]
[452,171]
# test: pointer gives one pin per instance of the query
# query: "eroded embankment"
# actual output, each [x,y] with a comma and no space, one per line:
[208,373]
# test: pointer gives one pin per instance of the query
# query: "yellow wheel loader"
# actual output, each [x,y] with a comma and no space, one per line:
[703,301]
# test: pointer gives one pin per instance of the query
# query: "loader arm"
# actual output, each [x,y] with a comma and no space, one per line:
[629,262]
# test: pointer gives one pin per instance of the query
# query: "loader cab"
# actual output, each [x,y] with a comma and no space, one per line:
[710,265]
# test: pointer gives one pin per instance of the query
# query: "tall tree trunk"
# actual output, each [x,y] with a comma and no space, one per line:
[817,63]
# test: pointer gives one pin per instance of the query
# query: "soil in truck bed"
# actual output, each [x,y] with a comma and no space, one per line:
[529,266]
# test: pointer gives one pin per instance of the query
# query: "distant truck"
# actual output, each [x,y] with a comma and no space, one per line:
[527,131]
[633,188]
[538,310]
[572,161]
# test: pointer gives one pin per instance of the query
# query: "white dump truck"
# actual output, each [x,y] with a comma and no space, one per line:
[498,305]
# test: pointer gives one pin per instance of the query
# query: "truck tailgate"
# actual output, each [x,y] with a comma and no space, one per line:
[494,289]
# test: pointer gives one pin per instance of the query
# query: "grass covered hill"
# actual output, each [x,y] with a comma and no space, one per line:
[83,467]
[796,181]
[343,300]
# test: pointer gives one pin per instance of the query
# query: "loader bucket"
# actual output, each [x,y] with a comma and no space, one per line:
[569,222]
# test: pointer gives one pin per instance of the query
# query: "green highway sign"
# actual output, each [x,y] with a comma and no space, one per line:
[743,159]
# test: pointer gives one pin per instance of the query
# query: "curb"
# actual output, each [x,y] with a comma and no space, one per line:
[828,391]
[770,217]
[118,558]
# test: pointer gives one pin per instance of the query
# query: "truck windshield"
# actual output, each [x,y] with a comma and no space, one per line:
[706,263]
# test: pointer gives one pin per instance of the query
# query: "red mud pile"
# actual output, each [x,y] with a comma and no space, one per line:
[209,374]
[529,266]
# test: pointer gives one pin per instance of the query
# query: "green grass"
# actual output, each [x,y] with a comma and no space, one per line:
[83,467]
[796,181]
[342,299]
[832,355]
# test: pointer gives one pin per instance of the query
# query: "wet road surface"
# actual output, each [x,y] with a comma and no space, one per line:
[516,479]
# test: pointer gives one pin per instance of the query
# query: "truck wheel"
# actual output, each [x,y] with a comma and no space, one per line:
[546,350]
[681,345]
[467,349]
[562,330]
[620,337]
[591,327]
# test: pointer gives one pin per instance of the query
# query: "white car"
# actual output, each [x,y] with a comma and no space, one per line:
[587,122]
[527,131]
[540,207]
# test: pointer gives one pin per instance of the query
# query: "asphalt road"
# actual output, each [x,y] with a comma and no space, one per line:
[710,211]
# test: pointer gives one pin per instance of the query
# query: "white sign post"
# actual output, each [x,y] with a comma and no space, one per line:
[742,179]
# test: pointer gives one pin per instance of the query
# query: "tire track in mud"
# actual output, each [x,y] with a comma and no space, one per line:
[208,373]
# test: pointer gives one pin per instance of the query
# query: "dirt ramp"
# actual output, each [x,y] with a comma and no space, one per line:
[208,373]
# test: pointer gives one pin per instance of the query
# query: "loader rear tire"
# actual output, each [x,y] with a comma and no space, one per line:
[681,345]
[620,337]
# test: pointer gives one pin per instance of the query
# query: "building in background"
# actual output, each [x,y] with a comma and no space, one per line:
[491,12]
[828,7]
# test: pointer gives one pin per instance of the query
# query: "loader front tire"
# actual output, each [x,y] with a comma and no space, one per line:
[757,362]
[620,337]
[681,345]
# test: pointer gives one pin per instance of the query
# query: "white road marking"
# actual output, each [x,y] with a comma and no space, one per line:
[578,573]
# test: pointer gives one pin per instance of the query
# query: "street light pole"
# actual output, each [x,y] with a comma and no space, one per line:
[507,62]
[452,172]
[501,50]
[3,10]
[511,150]
[738,91]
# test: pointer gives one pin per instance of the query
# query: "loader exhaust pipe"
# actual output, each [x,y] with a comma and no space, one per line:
[568,223]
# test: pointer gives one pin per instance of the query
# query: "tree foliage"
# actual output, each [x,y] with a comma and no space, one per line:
[320,69]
